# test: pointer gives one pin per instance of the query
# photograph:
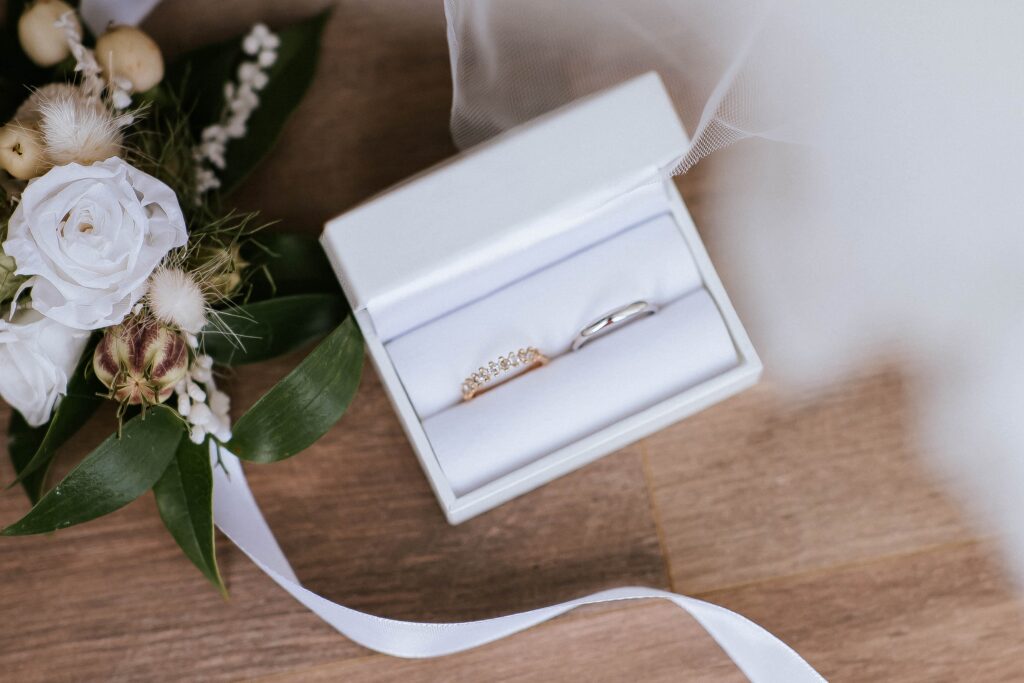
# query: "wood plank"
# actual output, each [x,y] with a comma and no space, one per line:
[813,518]
[939,615]
[651,642]
[765,486]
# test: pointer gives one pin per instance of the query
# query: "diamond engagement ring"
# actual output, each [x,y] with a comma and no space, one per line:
[504,368]
[613,320]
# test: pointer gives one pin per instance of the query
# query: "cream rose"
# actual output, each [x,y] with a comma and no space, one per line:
[37,356]
[90,236]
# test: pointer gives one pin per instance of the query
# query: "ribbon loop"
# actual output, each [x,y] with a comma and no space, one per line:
[762,657]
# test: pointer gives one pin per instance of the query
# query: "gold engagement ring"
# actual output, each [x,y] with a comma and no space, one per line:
[504,368]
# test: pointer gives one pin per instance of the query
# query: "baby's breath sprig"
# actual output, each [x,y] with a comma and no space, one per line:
[241,99]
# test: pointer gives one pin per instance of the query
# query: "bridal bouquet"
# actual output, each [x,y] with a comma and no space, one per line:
[123,278]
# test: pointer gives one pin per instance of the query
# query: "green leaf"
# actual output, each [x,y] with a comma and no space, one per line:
[22,443]
[184,497]
[113,475]
[265,329]
[73,411]
[201,75]
[292,264]
[300,408]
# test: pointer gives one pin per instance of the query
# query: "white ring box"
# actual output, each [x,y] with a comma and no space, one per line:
[522,241]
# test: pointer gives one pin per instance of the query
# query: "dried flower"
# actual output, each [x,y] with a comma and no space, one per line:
[86,66]
[141,361]
[75,127]
[222,268]
[125,52]
[21,151]
[175,298]
[206,408]
[39,35]
[241,100]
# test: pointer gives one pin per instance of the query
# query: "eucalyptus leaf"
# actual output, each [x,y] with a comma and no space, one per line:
[265,329]
[200,78]
[300,408]
[73,410]
[116,473]
[291,264]
[184,497]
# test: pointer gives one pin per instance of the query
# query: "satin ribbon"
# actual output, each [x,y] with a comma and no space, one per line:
[758,654]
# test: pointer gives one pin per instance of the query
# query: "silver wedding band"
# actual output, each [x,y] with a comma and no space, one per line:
[613,320]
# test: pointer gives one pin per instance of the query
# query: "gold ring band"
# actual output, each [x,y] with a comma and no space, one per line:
[504,368]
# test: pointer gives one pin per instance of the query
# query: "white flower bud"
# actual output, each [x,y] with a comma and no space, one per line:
[184,405]
[21,151]
[125,52]
[40,38]
[197,435]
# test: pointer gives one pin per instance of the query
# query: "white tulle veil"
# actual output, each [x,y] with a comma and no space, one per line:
[893,228]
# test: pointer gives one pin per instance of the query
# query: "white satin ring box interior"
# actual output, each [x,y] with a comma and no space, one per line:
[522,242]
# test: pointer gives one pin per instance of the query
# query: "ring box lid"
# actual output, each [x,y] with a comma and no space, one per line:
[464,216]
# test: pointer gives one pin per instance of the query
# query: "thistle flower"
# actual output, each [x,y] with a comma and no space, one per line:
[140,361]
[75,127]
[175,298]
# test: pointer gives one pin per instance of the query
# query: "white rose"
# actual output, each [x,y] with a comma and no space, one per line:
[37,356]
[90,236]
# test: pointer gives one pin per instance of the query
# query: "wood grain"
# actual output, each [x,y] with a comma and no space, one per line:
[762,486]
[812,515]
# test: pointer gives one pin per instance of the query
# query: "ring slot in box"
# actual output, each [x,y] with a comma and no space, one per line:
[521,242]
[545,309]
[579,393]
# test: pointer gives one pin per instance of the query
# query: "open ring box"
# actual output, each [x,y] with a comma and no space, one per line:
[523,241]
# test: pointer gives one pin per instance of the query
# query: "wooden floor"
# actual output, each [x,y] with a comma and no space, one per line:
[811,515]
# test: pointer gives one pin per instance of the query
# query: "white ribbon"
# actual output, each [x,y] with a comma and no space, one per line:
[760,655]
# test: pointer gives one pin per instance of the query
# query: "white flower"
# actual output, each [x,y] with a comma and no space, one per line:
[259,38]
[250,73]
[267,58]
[120,97]
[37,356]
[91,236]
[208,410]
